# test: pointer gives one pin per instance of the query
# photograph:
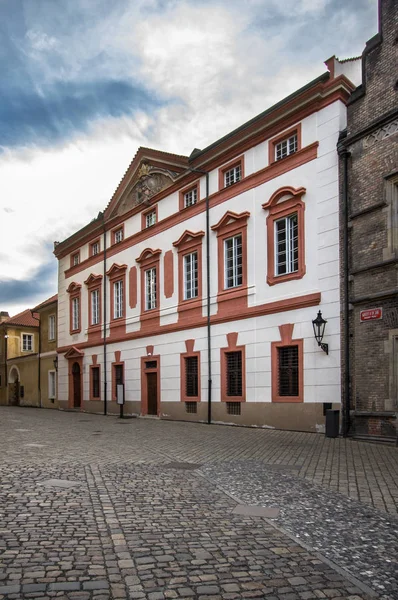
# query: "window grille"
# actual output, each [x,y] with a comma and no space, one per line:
[51,327]
[286,245]
[190,276]
[151,364]
[191,376]
[95,307]
[118,375]
[150,218]
[95,374]
[232,175]
[286,147]
[233,261]
[75,313]
[191,407]
[288,371]
[190,197]
[150,289]
[118,299]
[233,408]
[234,373]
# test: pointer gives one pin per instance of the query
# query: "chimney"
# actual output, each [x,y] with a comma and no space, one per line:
[4,316]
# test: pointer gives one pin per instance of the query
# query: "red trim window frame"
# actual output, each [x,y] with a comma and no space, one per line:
[190,353]
[286,333]
[284,202]
[188,243]
[95,365]
[114,232]
[115,274]
[195,187]
[149,259]
[237,162]
[273,142]
[94,284]
[93,244]
[231,225]
[75,293]
[232,339]
[150,357]
[145,213]
[75,259]
[117,363]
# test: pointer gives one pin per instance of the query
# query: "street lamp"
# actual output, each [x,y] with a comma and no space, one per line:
[319,329]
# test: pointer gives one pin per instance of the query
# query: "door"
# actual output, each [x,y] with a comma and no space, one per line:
[15,393]
[152,391]
[76,385]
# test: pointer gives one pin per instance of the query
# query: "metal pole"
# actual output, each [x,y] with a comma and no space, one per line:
[104,328]
[347,367]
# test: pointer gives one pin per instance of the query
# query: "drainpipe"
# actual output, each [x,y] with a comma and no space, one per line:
[104,317]
[209,382]
[344,155]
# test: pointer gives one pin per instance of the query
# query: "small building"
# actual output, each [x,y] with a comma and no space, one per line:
[369,238]
[197,286]
[19,347]
[47,353]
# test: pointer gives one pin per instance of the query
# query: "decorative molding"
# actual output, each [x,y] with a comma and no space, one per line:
[381,134]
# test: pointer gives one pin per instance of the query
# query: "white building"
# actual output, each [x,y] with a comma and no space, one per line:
[270,229]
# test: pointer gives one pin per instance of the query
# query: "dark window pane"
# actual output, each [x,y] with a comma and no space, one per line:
[191,376]
[151,364]
[95,372]
[288,371]
[234,373]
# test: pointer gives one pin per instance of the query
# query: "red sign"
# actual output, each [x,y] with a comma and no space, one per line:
[371,315]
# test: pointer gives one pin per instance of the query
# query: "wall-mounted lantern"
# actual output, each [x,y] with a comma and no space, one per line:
[55,361]
[319,330]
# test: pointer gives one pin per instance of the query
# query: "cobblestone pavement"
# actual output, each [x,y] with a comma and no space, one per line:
[100,508]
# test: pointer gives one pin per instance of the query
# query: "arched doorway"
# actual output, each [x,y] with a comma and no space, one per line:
[76,378]
[13,387]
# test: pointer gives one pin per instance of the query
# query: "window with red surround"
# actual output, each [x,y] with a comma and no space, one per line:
[287,367]
[231,173]
[149,217]
[233,370]
[117,280]
[285,235]
[189,248]
[189,195]
[117,234]
[95,380]
[117,374]
[232,261]
[94,288]
[149,261]
[190,373]
[95,247]
[284,144]
[75,309]
[75,259]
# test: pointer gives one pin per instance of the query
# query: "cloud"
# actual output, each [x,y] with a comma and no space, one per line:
[29,291]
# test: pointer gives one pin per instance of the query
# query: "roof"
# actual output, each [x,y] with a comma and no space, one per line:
[46,303]
[25,318]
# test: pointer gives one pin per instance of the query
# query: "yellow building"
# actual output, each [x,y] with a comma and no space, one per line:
[47,353]
[19,347]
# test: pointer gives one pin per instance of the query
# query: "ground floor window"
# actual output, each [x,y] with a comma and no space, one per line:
[288,371]
[51,385]
[234,373]
[95,382]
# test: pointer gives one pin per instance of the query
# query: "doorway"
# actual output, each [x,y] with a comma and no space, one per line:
[152,393]
[150,385]
[76,378]
[14,387]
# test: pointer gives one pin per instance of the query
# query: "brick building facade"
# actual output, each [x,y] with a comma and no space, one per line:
[368,151]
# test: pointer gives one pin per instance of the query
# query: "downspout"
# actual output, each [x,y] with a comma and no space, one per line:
[39,363]
[344,155]
[104,318]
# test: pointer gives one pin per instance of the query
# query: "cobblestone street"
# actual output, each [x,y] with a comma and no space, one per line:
[98,507]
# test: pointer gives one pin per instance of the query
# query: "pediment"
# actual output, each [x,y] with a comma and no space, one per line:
[93,279]
[147,254]
[282,194]
[74,353]
[188,236]
[116,270]
[229,218]
[73,287]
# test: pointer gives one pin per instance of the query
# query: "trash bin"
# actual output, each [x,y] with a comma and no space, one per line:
[332,423]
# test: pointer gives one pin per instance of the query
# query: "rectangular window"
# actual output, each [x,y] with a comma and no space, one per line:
[234,373]
[288,371]
[95,382]
[75,259]
[191,377]
[150,219]
[233,261]
[233,408]
[95,248]
[51,384]
[191,276]
[118,299]
[95,298]
[191,407]
[190,197]
[286,245]
[232,175]
[51,328]
[118,235]
[150,289]
[27,342]
[75,313]
[286,147]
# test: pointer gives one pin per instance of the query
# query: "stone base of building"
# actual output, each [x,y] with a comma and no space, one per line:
[378,426]
[286,416]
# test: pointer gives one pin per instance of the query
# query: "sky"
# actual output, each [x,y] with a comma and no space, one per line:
[85,83]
